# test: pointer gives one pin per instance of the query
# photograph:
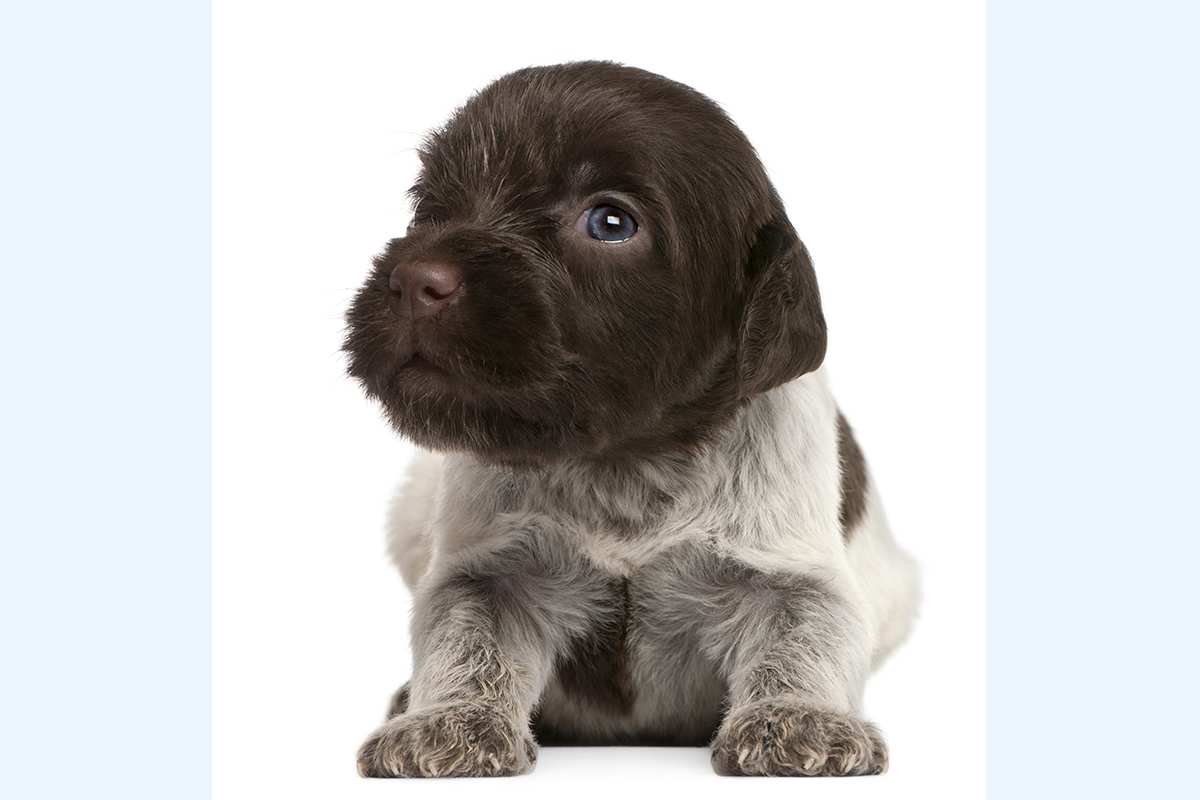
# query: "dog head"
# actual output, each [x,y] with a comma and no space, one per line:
[597,264]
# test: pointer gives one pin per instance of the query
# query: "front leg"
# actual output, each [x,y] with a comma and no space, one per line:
[487,627]
[796,652]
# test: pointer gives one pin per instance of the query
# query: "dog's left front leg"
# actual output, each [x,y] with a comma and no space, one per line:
[796,652]
[486,630]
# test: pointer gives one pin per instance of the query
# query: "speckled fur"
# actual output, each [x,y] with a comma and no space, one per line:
[742,586]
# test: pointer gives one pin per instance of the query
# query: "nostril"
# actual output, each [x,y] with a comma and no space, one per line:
[397,280]
[435,284]
[426,283]
[425,288]
[436,293]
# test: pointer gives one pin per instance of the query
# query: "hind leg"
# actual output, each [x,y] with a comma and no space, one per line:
[887,576]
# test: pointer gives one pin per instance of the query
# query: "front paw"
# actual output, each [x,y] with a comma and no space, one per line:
[451,740]
[777,737]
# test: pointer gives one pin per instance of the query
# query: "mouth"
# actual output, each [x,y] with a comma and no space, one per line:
[420,364]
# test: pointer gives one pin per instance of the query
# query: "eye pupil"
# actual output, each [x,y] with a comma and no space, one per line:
[610,224]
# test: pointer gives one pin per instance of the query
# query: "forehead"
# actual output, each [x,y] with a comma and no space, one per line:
[522,162]
[575,129]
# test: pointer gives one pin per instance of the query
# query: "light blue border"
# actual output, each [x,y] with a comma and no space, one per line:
[1094,398]
[104,430]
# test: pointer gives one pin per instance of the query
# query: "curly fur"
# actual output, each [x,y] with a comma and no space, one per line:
[778,737]
[448,741]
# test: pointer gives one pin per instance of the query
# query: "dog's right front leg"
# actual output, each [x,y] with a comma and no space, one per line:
[486,630]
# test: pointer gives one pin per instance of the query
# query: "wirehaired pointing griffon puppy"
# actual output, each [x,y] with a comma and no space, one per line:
[646,521]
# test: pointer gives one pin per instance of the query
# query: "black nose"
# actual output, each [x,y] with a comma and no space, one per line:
[428,286]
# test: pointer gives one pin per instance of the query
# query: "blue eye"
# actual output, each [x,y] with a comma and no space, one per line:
[609,223]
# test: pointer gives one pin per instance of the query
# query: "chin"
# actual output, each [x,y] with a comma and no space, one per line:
[441,411]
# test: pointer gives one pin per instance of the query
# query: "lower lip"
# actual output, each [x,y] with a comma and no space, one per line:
[419,364]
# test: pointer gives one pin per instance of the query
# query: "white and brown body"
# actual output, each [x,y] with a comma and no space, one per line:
[664,593]
[648,522]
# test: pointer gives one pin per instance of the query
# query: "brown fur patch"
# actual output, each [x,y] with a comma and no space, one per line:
[596,671]
[854,478]
[715,293]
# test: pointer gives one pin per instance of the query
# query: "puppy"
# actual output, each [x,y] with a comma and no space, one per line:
[647,521]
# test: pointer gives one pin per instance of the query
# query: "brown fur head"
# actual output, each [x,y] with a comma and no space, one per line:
[601,267]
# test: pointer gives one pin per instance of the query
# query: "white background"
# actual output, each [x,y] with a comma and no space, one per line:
[870,119]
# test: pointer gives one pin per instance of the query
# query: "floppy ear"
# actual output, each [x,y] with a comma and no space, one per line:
[782,332]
